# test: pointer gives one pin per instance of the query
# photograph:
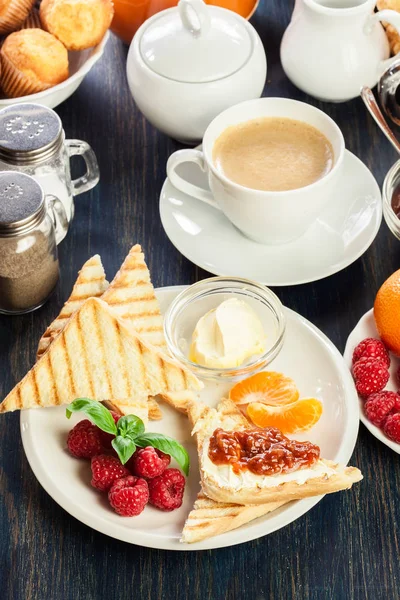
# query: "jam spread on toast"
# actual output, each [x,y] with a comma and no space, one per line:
[261,451]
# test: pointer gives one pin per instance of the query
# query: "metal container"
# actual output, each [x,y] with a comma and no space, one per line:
[29,223]
[32,141]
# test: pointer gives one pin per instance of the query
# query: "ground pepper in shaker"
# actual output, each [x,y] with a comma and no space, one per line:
[29,268]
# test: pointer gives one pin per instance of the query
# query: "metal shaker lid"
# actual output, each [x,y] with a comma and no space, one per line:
[22,204]
[28,132]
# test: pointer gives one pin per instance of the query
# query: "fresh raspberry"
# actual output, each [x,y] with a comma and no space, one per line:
[166,490]
[380,405]
[84,440]
[371,348]
[128,496]
[371,375]
[105,470]
[107,438]
[148,462]
[392,427]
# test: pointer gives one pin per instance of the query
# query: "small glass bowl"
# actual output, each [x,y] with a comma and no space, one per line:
[191,304]
[391,183]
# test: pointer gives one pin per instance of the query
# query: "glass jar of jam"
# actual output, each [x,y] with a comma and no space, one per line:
[261,451]
[391,199]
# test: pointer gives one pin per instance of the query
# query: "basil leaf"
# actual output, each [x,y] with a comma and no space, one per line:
[124,447]
[166,445]
[130,426]
[98,414]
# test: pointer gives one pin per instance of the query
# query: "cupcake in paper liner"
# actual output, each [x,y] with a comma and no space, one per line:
[78,24]
[32,60]
[13,13]
[32,21]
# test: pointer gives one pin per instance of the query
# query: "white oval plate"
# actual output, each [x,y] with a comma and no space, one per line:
[342,233]
[366,328]
[307,355]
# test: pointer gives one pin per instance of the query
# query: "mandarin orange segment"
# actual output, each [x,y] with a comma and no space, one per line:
[387,313]
[267,387]
[290,418]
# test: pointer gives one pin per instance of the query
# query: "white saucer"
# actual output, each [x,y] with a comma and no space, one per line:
[366,328]
[341,235]
[322,374]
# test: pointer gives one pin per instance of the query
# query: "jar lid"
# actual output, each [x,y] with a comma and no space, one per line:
[22,203]
[196,43]
[28,132]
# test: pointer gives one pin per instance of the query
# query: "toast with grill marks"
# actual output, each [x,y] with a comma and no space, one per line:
[97,356]
[210,518]
[221,483]
[131,294]
[138,407]
[91,283]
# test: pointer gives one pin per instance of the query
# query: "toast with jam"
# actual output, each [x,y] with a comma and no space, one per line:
[242,464]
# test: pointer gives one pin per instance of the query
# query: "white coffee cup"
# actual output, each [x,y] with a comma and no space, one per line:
[274,217]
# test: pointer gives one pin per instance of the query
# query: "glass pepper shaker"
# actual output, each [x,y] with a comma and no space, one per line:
[32,141]
[29,268]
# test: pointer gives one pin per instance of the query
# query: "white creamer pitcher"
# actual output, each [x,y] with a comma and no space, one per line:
[332,48]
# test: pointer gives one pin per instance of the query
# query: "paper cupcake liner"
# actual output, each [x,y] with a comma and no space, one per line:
[15,83]
[15,15]
[32,21]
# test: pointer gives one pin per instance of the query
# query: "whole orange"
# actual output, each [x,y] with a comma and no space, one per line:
[387,313]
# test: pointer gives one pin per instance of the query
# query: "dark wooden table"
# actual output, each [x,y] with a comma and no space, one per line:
[348,545]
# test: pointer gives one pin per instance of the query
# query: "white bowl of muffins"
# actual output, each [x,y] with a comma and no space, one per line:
[47,49]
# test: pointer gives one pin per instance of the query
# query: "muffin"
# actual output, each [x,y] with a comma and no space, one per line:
[13,13]
[32,60]
[32,21]
[392,33]
[78,24]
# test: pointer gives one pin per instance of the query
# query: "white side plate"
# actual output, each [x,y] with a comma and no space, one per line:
[366,328]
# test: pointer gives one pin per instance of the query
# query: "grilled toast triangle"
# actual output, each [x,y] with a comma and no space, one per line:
[138,407]
[222,483]
[209,518]
[91,283]
[131,294]
[124,407]
[97,356]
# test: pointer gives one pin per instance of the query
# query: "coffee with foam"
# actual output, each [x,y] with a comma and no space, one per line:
[273,154]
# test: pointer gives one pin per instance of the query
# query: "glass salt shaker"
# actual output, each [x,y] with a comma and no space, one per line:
[32,141]
[29,268]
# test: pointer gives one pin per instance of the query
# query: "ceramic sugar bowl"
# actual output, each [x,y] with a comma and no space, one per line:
[189,63]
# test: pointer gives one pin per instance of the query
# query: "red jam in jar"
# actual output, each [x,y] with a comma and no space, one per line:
[396,201]
[261,451]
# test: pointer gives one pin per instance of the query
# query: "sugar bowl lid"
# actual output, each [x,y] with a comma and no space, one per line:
[196,43]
